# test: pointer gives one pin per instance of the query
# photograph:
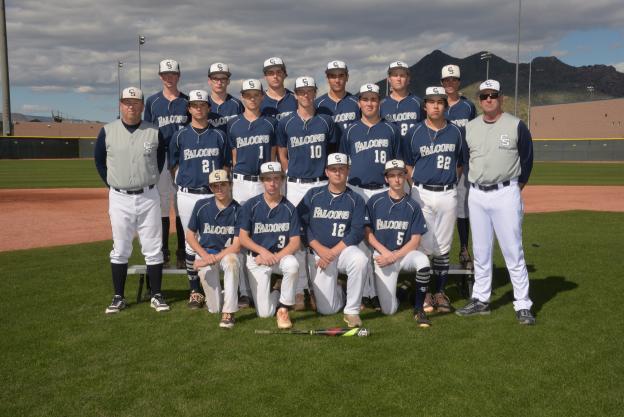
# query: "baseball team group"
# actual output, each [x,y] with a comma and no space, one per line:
[335,195]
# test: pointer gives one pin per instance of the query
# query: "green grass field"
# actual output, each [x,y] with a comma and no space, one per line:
[61,356]
[79,173]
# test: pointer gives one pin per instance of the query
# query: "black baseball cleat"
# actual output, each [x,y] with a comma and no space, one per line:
[244,302]
[474,307]
[116,305]
[375,303]
[525,317]
[421,319]
[158,303]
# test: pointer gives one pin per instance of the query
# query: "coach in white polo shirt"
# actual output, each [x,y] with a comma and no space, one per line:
[501,159]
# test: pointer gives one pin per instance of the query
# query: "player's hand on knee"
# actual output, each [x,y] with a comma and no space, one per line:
[322,263]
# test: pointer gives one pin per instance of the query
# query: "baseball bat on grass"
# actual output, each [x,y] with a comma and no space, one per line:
[336,331]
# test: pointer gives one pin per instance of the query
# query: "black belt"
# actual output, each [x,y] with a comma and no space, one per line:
[253,178]
[195,190]
[371,186]
[491,187]
[133,192]
[435,187]
[306,180]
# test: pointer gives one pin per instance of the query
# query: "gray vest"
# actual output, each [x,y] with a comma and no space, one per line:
[131,157]
[493,150]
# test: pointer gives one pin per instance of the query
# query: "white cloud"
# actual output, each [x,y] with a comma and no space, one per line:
[619,66]
[84,89]
[34,108]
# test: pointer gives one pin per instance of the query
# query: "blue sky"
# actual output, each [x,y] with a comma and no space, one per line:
[63,54]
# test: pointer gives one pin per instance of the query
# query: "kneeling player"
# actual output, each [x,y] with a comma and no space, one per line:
[269,229]
[333,218]
[214,220]
[395,226]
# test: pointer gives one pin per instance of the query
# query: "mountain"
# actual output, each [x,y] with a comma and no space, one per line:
[552,82]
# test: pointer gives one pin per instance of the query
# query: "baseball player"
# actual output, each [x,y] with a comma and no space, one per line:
[195,151]
[129,155]
[333,218]
[269,229]
[501,160]
[222,105]
[395,226]
[459,112]
[401,106]
[278,101]
[213,221]
[434,157]
[252,140]
[303,138]
[167,109]
[370,142]
[341,105]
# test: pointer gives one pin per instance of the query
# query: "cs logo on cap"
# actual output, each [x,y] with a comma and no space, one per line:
[251,84]
[220,67]
[169,64]
[336,64]
[272,60]
[132,92]
[489,84]
[450,69]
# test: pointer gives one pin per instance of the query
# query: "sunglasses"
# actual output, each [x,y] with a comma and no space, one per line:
[493,96]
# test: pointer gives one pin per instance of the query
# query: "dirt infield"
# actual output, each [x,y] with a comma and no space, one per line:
[51,217]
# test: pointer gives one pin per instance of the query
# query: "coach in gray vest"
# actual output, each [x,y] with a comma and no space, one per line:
[501,159]
[129,155]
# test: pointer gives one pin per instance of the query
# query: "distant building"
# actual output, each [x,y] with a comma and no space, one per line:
[53,129]
[591,119]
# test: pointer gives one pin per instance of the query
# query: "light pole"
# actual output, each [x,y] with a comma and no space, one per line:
[486,56]
[7,124]
[517,59]
[141,42]
[119,67]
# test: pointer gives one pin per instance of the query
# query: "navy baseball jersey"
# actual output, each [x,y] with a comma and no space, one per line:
[329,218]
[306,142]
[369,148]
[216,227]
[221,113]
[461,112]
[434,155]
[279,108]
[197,152]
[169,116]
[268,227]
[405,113]
[253,142]
[394,222]
[343,112]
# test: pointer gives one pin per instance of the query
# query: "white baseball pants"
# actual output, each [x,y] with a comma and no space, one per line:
[209,278]
[132,214]
[439,209]
[330,297]
[260,283]
[498,212]
[294,193]
[386,278]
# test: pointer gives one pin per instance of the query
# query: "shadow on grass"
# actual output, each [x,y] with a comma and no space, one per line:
[541,292]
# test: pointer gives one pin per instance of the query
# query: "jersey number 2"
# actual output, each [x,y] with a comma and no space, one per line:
[444,162]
